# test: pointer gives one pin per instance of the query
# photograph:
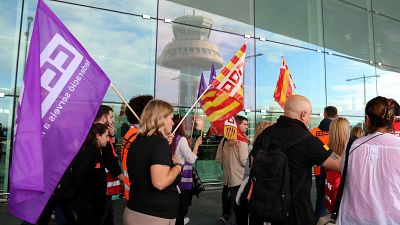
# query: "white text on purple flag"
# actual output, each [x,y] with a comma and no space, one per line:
[59,60]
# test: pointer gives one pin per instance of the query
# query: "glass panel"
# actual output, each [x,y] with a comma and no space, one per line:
[387,39]
[225,15]
[346,84]
[387,7]
[6,110]
[366,4]
[10,15]
[148,7]
[273,117]
[122,45]
[388,78]
[306,68]
[348,30]
[178,69]
[293,22]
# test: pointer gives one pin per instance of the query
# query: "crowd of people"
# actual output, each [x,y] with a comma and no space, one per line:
[355,172]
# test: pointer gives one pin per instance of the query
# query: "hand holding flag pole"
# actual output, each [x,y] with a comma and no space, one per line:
[226,96]
[122,98]
[198,99]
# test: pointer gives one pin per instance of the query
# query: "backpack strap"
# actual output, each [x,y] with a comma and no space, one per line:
[287,147]
[339,194]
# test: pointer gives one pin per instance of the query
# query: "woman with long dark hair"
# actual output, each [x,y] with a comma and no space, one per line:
[372,189]
[181,149]
[90,177]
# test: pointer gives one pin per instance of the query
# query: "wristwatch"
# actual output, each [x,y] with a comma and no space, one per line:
[111,135]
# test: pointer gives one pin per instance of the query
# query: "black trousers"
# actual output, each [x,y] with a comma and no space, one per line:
[108,218]
[185,200]
[51,205]
[225,201]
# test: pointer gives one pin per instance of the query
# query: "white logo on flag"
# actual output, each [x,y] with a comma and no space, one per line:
[58,61]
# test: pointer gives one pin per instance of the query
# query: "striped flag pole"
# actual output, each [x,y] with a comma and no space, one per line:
[198,99]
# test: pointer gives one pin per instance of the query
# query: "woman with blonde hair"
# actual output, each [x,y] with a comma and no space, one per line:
[357,132]
[153,172]
[338,138]
[261,127]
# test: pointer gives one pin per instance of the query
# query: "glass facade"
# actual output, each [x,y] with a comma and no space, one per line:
[339,52]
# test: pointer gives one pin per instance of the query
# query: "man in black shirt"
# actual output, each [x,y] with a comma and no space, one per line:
[302,157]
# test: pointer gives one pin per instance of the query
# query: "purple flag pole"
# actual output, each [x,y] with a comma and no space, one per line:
[62,90]
[202,87]
[213,75]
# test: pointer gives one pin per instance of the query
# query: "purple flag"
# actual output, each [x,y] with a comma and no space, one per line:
[213,75]
[202,86]
[62,91]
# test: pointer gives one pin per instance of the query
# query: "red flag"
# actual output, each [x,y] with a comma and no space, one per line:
[285,86]
[229,129]
[225,98]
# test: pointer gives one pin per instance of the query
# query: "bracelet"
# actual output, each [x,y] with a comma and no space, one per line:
[111,135]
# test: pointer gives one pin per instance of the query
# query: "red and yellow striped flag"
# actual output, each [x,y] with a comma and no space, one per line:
[225,98]
[285,86]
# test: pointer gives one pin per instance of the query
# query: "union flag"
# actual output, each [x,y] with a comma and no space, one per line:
[229,129]
[285,86]
[225,98]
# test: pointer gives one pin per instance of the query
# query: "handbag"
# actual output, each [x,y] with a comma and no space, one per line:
[198,186]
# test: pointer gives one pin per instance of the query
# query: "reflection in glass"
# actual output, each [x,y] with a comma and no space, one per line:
[6,106]
[306,68]
[179,67]
[222,15]
[348,30]
[9,17]
[148,7]
[388,78]
[293,22]
[345,85]
[387,33]
[122,45]
[366,4]
[387,7]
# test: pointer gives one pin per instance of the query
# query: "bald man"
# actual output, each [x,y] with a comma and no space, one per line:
[302,156]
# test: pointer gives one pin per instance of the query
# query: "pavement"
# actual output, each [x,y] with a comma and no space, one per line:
[204,210]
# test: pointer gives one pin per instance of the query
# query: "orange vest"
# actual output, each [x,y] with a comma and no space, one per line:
[129,137]
[324,137]
[113,183]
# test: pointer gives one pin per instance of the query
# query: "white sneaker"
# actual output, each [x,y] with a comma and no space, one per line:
[186,220]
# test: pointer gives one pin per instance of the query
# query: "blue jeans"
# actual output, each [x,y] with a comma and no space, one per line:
[320,209]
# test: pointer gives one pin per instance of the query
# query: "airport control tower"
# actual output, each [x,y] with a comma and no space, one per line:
[191,53]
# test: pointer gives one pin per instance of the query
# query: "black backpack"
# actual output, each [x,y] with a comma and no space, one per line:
[67,186]
[268,193]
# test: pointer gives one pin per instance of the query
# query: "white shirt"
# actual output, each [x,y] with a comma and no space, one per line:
[184,153]
[372,190]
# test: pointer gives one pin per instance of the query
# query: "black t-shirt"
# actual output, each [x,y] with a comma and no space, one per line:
[302,157]
[146,151]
